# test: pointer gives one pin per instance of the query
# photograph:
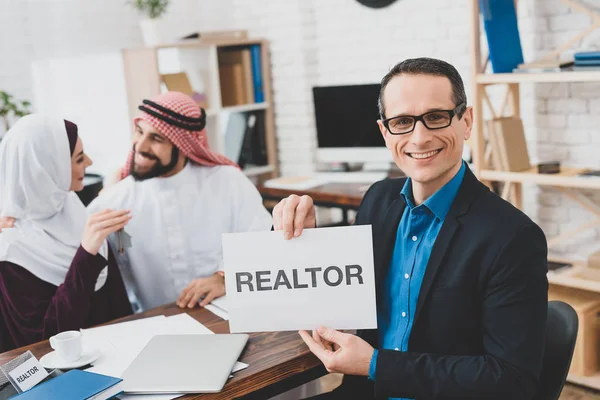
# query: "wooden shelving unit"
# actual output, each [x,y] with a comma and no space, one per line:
[578,277]
[589,381]
[200,60]
[568,182]
[567,177]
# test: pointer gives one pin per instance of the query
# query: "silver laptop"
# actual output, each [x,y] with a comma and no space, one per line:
[184,364]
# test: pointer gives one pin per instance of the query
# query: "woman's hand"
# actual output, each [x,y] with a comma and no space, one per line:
[101,224]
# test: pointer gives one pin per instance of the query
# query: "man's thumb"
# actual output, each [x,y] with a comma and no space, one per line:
[328,334]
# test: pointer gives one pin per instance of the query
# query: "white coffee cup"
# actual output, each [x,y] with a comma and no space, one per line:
[67,345]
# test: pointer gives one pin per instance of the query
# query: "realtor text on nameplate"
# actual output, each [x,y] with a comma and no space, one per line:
[28,374]
[324,277]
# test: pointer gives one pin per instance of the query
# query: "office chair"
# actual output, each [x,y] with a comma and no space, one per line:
[561,334]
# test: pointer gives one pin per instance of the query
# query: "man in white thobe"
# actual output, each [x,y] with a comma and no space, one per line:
[182,197]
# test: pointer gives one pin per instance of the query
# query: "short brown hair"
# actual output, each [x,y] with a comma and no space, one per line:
[426,66]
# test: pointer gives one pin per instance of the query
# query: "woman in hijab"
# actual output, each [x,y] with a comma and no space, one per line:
[56,270]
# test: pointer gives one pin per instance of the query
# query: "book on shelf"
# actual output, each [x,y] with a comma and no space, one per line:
[254,147]
[502,33]
[590,174]
[245,141]
[240,73]
[235,74]
[588,63]
[257,77]
[585,68]
[509,148]
[587,55]
[558,266]
[545,66]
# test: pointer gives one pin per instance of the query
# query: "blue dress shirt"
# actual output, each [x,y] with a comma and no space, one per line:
[415,237]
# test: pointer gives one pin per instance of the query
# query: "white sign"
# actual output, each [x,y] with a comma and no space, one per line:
[324,277]
[28,374]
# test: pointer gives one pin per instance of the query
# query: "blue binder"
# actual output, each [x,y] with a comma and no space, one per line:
[594,62]
[502,31]
[72,385]
[259,96]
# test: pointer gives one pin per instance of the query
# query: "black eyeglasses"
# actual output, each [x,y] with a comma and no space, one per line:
[438,119]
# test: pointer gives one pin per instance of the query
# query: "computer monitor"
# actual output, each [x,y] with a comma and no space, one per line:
[346,121]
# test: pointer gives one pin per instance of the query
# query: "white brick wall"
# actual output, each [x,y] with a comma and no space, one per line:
[327,42]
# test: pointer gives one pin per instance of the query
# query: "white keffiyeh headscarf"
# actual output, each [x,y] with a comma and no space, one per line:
[35,177]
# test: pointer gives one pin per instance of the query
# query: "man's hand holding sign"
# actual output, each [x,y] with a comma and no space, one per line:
[323,278]
[339,352]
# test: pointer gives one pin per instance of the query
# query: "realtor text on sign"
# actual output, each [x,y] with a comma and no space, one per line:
[324,277]
[331,276]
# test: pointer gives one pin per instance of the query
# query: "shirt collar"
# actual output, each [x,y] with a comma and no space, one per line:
[439,203]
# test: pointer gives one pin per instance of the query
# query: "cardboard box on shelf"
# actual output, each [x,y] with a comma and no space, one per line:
[179,82]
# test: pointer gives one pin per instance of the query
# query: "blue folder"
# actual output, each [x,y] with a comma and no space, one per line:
[502,32]
[595,62]
[587,56]
[72,385]
[259,95]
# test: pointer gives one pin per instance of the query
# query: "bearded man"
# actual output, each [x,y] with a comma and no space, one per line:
[182,197]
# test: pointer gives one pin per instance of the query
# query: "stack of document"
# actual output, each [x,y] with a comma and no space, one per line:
[121,343]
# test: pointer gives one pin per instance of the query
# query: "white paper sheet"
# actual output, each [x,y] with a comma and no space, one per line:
[184,324]
[121,343]
[324,277]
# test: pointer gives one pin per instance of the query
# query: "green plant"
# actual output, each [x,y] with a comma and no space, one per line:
[152,8]
[11,108]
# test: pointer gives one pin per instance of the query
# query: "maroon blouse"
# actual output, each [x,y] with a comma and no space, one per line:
[33,310]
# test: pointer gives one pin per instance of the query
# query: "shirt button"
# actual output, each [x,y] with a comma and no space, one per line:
[406,276]
[414,238]
[403,314]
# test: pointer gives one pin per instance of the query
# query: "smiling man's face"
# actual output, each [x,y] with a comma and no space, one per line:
[154,155]
[428,157]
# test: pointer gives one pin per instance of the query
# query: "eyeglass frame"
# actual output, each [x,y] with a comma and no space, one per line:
[418,118]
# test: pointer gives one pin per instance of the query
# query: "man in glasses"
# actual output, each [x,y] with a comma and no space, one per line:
[460,273]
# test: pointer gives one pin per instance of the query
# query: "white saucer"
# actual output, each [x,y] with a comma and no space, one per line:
[53,361]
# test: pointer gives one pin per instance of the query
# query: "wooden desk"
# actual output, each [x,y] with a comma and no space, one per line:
[278,361]
[346,196]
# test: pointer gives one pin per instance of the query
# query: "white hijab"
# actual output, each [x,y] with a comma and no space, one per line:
[35,177]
